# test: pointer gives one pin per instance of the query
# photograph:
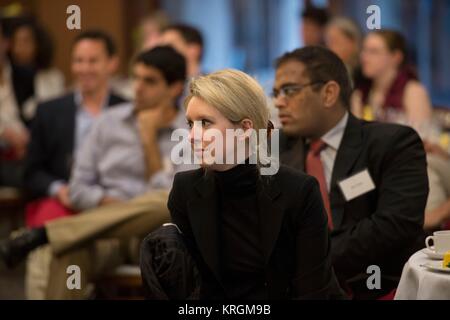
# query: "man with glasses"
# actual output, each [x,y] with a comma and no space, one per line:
[372,176]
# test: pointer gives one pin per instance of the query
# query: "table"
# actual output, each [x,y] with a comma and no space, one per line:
[419,283]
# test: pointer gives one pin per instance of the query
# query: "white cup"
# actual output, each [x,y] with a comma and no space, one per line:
[441,240]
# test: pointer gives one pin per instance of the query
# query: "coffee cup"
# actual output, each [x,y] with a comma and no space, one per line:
[441,241]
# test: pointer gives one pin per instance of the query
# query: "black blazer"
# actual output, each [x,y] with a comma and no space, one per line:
[382,227]
[50,151]
[293,222]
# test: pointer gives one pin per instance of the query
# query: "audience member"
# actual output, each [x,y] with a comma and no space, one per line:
[344,38]
[189,42]
[61,125]
[126,154]
[58,131]
[313,25]
[151,29]
[393,92]
[235,204]
[31,55]
[372,175]
[112,165]
[13,133]
[437,212]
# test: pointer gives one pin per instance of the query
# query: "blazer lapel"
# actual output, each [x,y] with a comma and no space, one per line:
[271,215]
[348,153]
[205,222]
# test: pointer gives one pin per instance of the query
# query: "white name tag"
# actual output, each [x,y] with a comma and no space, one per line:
[356,185]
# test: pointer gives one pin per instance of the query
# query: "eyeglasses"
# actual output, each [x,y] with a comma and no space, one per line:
[292,90]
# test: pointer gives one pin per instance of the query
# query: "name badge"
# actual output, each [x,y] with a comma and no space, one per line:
[356,185]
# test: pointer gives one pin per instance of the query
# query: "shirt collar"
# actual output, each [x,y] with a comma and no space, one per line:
[78,98]
[333,137]
[129,113]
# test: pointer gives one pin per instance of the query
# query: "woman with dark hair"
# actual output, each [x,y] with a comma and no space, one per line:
[34,79]
[393,92]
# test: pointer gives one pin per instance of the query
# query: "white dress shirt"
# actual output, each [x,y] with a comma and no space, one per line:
[332,140]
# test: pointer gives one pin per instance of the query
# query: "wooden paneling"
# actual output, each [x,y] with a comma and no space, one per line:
[119,18]
[106,15]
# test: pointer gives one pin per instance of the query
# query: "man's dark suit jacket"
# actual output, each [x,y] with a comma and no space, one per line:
[50,152]
[382,227]
[293,225]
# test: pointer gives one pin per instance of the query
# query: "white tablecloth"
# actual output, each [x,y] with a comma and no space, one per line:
[419,283]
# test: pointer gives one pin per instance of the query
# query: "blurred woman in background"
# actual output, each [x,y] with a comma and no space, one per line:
[392,92]
[26,54]
[30,55]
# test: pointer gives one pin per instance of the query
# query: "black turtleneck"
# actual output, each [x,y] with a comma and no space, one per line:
[242,256]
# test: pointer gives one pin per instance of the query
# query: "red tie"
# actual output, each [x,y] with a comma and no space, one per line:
[314,168]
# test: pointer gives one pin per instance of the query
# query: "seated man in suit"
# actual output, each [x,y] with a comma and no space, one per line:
[373,176]
[62,124]
[126,154]
[58,131]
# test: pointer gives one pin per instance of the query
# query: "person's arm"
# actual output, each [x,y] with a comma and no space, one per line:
[314,276]
[37,179]
[16,138]
[149,122]
[417,105]
[356,104]
[85,190]
[177,207]
[13,133]
[152,153]
[436,217]
[398,219]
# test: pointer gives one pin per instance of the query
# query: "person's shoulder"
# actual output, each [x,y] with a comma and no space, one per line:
[50,74]
[116,99]
[184,181]
[189,175]
[289,177]
[57,104]
[414,87]
[387,132]
[122,109]
[289,172]
[111,116]
[50,110]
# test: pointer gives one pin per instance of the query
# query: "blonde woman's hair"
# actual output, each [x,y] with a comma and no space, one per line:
[234,94]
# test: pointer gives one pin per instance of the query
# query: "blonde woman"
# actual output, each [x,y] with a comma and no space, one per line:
[252,236]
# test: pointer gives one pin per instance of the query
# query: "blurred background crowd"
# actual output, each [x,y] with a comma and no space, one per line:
[400,73]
